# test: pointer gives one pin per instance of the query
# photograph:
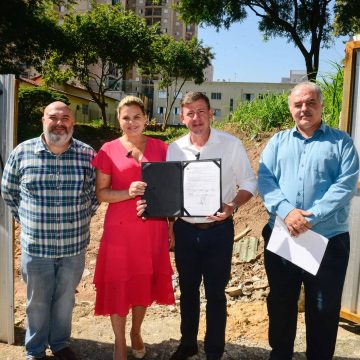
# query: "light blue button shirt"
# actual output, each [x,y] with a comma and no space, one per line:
[318,174]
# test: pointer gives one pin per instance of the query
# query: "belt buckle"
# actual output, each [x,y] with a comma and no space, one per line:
[205,226]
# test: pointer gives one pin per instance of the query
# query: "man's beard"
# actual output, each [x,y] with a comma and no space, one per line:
[58,139]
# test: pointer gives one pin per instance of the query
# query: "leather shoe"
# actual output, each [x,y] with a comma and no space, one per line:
[213,357]
[184,352]
[65,354]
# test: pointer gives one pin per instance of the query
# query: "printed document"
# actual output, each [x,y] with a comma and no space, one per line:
[305,251]
[202,188]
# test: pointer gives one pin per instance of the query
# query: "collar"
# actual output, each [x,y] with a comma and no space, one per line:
[213,139]
[322,129]
[40,145]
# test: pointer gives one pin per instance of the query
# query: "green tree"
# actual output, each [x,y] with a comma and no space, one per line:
[28,30]
[176,62]
[347,19]
[32,102]
[308,24]
[105,43]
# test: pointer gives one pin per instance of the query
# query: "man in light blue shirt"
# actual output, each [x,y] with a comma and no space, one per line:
[307,177]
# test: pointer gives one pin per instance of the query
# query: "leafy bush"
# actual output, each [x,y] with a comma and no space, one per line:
[170,134]
[262,114]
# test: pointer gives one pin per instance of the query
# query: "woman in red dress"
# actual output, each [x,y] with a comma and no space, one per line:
[133,267]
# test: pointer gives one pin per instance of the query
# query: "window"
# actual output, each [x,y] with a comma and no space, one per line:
[162,94]
[215,96]
[217,112]
[179,95]
[161,110]
[247,97]
[85,109]
[176,110]
[231,104]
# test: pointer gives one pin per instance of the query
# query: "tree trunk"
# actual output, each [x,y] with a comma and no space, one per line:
[165,122]
[310,69]
[103,114]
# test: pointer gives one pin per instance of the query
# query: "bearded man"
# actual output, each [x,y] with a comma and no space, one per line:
[49,185]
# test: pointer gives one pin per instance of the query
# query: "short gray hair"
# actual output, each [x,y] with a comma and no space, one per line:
[309,84]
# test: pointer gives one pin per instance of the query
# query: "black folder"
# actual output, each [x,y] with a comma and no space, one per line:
[164,193]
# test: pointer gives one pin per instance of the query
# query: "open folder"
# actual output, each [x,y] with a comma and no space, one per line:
[182,188]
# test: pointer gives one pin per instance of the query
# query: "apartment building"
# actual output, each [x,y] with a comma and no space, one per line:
[161,13]
[296,76]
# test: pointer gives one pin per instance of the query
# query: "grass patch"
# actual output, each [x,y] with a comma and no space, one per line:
[262,114]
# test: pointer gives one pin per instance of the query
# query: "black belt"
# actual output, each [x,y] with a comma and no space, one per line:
[206,226]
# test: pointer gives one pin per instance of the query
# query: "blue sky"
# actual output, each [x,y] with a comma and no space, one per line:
[242,55]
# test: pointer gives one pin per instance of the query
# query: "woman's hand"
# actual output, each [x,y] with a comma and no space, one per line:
[137,188]
[140,207]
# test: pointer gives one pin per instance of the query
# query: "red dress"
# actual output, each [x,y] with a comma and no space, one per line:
[133,265]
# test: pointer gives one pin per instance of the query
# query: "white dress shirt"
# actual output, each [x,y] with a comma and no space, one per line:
[235,166]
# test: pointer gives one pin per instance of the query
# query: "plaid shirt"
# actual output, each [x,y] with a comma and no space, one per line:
[51,196]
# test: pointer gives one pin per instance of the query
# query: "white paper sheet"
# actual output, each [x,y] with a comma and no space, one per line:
[305,251]
[202,188]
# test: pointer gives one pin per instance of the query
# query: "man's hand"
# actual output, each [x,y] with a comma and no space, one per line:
[296,222]
[228,209]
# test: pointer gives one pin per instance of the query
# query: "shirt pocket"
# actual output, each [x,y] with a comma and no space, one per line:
[324,165]
[38,183]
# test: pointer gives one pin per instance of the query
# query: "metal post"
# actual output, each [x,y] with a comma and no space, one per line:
[7,115]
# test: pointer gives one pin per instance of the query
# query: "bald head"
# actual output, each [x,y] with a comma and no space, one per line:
[57,106]
[58,124]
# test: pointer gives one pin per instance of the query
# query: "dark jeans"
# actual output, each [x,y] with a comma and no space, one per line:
[203,254]
[322,300]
